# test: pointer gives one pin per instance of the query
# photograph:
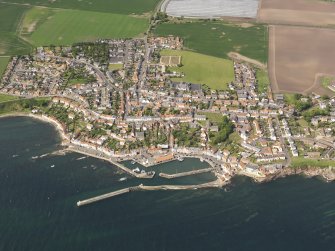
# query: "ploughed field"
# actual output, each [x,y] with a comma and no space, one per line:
[298,55]
[305,12]
[212,8]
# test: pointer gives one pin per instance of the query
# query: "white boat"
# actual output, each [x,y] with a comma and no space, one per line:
[180,159]
[132,162]
[123,179]
[15,155]
[52,166]
[136,170]
[34,157]
[82,158]
[201,159]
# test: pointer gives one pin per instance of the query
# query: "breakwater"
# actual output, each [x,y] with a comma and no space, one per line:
[214,184]
[183,174]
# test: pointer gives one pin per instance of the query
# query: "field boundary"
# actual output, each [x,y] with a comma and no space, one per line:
[238,57]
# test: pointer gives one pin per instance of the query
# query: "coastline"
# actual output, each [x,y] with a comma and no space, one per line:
[325,174]
[64,138]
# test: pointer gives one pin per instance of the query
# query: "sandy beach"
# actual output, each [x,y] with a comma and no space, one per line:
[59,128]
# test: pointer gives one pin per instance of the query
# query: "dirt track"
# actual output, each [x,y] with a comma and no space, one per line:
[297,55]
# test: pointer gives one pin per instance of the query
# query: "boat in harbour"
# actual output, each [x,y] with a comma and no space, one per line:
[180,159]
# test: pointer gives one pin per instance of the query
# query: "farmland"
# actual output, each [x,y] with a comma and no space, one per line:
[294,66]
[26,23]
[203,69]
[10,43]
[126,7]
[3,64]
[212,8]
[69,26]
[34,17]
[218,39]
[312,13]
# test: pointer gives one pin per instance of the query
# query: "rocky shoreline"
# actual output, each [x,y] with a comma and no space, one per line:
[327,174]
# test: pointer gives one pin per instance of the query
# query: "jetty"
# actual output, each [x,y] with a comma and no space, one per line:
[183,174]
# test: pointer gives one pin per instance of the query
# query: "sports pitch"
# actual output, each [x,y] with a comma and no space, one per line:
[170,60]
[203,69]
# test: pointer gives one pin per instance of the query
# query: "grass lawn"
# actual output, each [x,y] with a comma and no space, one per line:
[303,123]
[219,38]
[301,162]
[326,81]
[212,117]
[77,81]
[3,64]
[290,98]
[235,137]
[202,69]
[69,26]
[10,43]
[113,67]
[6,98]
[110,6]
[263,80]
[22,105]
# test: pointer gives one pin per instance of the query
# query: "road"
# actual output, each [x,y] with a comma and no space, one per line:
[282,141]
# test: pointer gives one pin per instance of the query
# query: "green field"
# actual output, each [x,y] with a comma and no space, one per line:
[114,67]
[212,117]
[6,98]
[326,81]
[218,38]
[3,64]
[34,17]
[202,69]
[110,6]
[263,80]
[69,26]
[300,162]
[10,43]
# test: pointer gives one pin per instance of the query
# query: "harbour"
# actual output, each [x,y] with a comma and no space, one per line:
[38,208]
